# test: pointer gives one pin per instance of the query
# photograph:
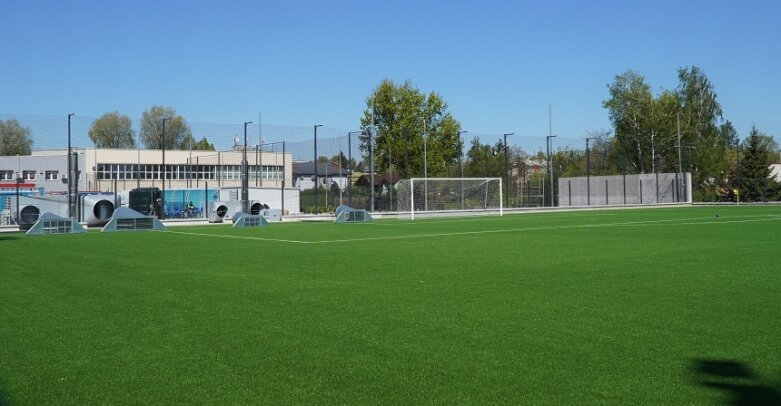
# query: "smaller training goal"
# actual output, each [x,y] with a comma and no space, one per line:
[49,223]
[245,220]
[347,214]
[449,197]
[125,219]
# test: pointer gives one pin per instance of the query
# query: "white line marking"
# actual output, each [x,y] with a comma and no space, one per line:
[685,221]
[240,237]
[510,230]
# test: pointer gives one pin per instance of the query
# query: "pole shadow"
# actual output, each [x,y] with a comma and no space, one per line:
[738,380]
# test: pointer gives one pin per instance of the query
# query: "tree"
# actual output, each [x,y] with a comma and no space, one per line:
[484,160]
[203,145]
[14,139]
[189,143]
[568,162]
[700,113]
[341,158]
[176,129]
[112,130]
[663,151]
[400,112]
[602,157]
[753,178]
[646,128]
[630,109]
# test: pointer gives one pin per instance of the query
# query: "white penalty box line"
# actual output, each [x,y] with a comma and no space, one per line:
[671,222]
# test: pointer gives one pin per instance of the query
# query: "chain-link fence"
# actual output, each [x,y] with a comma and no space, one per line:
[284,156]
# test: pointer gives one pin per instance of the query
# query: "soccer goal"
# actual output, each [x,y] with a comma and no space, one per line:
[449,196]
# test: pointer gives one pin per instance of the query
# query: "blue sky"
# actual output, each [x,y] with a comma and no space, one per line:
[498,64]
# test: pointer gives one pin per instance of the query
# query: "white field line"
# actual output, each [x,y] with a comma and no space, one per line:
[512,230]
[686,221]
[239,237]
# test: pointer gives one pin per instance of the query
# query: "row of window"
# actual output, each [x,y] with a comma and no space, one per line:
[184,172]
[29,175]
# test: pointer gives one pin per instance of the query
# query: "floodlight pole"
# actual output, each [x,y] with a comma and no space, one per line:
[315,165]
[350,163]
[737,156]
[588,172]
[549,145]
[461,160]
[162,145]
[245,174]
[71,202]
[370,130]
[284,164]
[425,167]
[506,185]
[18,181]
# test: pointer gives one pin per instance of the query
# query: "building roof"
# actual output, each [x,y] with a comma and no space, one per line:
[379,180]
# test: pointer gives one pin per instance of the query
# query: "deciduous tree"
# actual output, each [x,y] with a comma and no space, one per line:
[14,139]
[176,129]
[112,130]
[400,114]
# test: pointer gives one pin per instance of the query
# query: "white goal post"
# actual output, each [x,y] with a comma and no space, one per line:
[449,196]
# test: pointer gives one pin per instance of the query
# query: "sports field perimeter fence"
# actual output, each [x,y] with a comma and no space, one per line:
[344,176]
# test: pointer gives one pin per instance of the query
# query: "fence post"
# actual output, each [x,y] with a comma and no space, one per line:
[641,190]
[569,191]
[607,202]
[625,188]
[657,187]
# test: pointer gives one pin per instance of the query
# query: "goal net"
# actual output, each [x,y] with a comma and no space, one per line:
[449,196]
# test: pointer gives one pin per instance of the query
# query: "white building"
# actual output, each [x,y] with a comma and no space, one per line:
[114,170]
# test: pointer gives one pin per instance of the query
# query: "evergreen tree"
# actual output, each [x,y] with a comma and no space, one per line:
[753,178]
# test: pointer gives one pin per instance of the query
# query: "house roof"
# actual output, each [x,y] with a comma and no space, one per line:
[379,180]
[308,168]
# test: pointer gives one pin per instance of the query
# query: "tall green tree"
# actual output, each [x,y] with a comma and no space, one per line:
[400,114]
[484,160]
[569,162]
[112,130]
[14,139]
[700,116]
[176,129]
[753,178]
[630,109]
[603,160]
[663,152]
[730,156]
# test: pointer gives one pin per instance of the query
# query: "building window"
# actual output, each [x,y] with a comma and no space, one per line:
[28,175]
[6,175]
[52,175]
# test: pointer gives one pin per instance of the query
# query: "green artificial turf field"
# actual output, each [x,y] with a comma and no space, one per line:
[663,306]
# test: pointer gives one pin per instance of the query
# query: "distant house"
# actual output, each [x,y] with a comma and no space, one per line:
[327,174]
[381,182]
[528,167]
